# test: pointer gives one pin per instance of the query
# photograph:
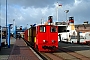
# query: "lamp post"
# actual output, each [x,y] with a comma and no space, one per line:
[6,21]
[0,34]
[0,38]
[66,13]
[57,11]
[0,26]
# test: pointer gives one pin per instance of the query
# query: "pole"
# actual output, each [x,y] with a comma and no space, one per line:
[0,36]
[15,32]
[66,16]
[57,11]
[0,25]
[66,11]
[8,36]
[13,25]
[6,21]
[27,26]
[41,21]
[1,33]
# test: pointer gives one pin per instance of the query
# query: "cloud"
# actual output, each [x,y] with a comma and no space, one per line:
[29,15]
[81,11]
[32,11]
[36,3]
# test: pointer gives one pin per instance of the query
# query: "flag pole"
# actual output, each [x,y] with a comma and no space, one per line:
[57,11]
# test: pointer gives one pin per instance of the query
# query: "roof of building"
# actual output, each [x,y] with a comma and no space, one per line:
[82,25]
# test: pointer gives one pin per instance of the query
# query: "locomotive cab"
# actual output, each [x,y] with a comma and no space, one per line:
[46,37]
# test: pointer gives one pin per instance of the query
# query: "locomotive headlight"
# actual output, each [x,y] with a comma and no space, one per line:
[53,41]
[44,41]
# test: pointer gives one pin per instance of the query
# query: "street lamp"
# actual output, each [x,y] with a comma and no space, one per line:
[57,11]
[6,21]
[0,27]
[66,13]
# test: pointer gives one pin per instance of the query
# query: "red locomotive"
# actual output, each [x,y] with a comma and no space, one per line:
[42,37]
[46,38]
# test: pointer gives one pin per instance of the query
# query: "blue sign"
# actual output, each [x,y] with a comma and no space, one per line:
[9,35]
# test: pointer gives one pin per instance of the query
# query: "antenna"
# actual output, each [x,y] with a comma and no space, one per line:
[41,21]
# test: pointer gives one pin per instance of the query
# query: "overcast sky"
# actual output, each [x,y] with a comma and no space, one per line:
[32,11]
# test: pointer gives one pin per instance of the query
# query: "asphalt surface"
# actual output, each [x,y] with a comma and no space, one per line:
[5,51]
[78,48]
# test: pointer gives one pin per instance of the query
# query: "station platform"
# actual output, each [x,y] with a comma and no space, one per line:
[18,51]
[5,51]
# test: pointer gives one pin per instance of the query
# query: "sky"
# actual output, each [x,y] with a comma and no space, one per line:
[28,12]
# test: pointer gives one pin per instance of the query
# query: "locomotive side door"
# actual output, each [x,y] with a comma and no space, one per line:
[53,35]
[41,35]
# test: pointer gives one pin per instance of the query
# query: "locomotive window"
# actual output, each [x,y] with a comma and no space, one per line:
[71,18]
[42,28]
[53,29]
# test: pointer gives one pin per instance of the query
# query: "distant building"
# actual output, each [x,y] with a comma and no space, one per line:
[3,32]
[85,27]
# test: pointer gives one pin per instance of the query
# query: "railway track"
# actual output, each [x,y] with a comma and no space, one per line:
[74,54]
[46,56]
[62,54]
[51,56]
[65,54]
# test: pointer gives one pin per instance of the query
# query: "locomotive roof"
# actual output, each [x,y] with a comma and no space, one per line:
[46,25]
